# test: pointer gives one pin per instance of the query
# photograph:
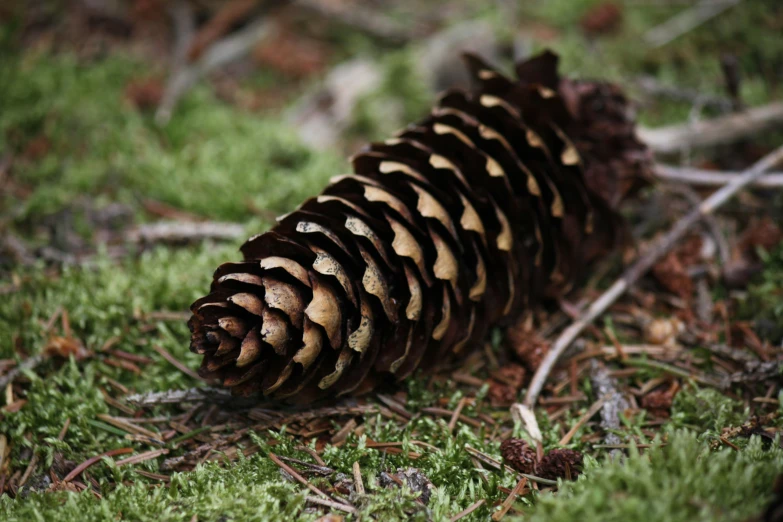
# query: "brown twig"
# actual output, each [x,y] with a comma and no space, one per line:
[142,457]
[176,363]
[642,265]
[312,453]
[64,431]
[457,412]
[91,461]
[227,50]
[357,478]
[509,501]
[331,503]
[30,468]
[465,512]
[226,17]
[299,478]
[582,421]
[127,426]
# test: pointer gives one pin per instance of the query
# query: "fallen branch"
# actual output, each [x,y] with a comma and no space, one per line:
[29,364]
[214,395]
[709,133]
[712,178]
[649,85]
[642,265]
[331,504]
[686,21]
[225,51]
[369,21]
[183,232]
[758,371]
[221,23]
[91,461]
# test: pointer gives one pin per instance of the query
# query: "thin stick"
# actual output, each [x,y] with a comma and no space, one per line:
[510,500]
[712,178]
[457,412]
[465,512]
[582,420]
[228,49]
[714,132]
[642,265]
[97,458]
[29,364]
[330,503]
[63,431]
[184,231]
[30,468]
[127,426]
[3,446]
[174,361]
[142,457]
[213,395]
[674,370]
[299,478]
[357,478]
[686,21]
[312,453]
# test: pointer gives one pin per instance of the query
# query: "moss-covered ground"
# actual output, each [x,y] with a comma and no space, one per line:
[73,148]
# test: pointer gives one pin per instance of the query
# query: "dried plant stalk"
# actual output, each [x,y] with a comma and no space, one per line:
[498,199]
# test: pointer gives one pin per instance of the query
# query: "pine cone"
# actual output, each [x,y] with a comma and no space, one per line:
[560,463]
[519,455]
[482,209]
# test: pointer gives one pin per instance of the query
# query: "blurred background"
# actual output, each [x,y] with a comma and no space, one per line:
[120,112]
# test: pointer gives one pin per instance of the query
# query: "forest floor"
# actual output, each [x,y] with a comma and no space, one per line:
[112,221]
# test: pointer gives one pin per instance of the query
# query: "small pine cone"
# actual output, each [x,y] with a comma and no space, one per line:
[479,211]
[560,463]
[519,455]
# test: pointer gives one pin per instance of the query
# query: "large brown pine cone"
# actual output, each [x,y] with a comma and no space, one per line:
[496,200]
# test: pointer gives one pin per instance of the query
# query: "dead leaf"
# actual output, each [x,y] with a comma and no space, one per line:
[64,347]
[603,18]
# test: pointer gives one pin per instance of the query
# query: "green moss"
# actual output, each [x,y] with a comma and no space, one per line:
[706,410]
[248,490]
[211,159]
[101,300]
[681,481]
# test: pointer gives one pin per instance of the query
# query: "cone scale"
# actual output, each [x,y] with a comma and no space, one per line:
[495,201]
